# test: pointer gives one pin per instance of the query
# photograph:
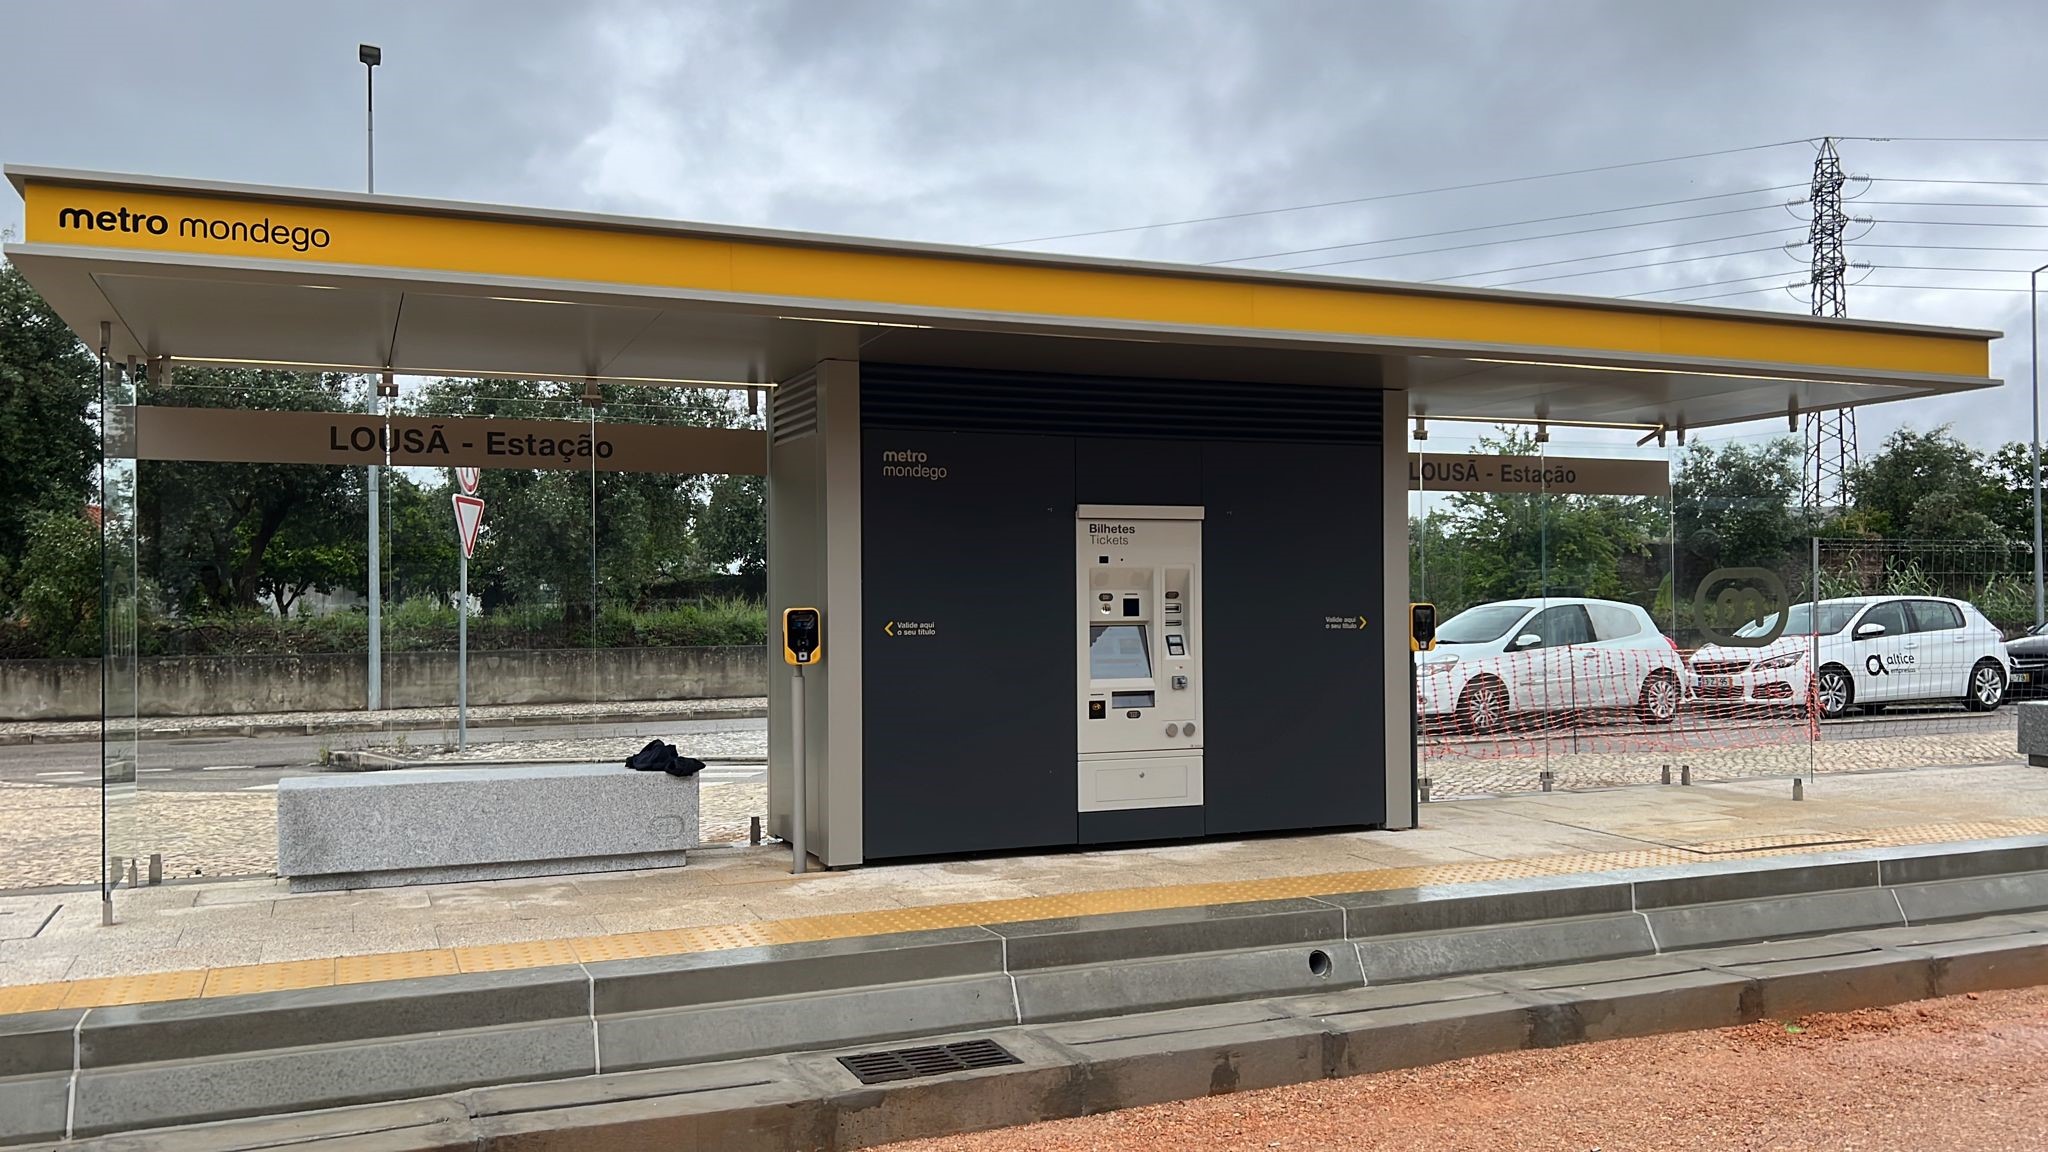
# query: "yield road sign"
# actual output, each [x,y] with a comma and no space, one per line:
[467,477]
[469,516]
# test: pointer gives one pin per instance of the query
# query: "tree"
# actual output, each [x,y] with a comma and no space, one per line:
[48,385]
[60,595]
[734,532]
[2012,478]
[572,537]
[421,553]
[208,529]
[1500,546]
[1737,506]
[1928,486]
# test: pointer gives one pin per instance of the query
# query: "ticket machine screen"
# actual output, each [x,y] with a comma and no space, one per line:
[1118,652]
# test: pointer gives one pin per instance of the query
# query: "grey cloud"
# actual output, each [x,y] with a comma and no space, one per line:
[1000,119]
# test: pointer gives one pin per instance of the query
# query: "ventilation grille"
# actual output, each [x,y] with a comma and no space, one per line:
[936,1060]
[793,410]
[921,399]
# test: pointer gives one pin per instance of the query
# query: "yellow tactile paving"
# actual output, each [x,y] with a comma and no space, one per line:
[395,966]
[625,946]
[522,954]
[148,989]
[247,978]
[836,926]
[32,998]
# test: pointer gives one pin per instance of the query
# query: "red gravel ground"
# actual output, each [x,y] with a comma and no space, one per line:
[1969,1072]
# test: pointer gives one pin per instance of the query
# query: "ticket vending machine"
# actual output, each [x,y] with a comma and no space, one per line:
[1138,581]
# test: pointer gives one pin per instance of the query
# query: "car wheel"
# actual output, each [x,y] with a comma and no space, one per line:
[1836,691]
[1483,706]
[1659,699]
[1987,687]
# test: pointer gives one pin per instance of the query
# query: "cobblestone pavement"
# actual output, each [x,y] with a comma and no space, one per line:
[537,713]
[51,834]
[1455,774]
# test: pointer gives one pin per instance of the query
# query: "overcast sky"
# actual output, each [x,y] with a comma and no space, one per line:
[986,122]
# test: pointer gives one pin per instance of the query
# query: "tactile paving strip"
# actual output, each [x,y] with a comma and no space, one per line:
[394,966]
[247,978]
[244,979]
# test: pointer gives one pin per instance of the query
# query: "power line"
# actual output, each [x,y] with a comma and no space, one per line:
[1947,139]
[1949,223]
[1515,239]
[1859,287]
[1952,247]
[1635,267]
[1400,195]
[1934,180]
[1618,227]
[1950,268]
[1609,255]
[1520,223]
[1946,204]
[1691,287]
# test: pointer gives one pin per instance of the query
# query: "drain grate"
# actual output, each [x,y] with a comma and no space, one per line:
[933,1060]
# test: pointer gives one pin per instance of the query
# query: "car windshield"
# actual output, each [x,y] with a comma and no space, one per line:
[1480,625]
[1799,621]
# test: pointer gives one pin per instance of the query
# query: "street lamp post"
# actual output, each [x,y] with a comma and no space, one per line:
[2034,313]
[371,56]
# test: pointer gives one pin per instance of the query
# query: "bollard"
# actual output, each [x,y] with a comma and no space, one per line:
[156,868]
[1685,774]
[1422,787]
[1667,774]
[1546,779]
[754,831]
[1798,788]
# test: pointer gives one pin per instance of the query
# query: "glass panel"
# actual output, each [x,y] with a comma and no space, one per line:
[251,589]
[681,576]
[121,832]
[490,658]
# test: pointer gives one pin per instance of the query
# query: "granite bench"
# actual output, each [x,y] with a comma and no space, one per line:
[2033,723]
[439,825]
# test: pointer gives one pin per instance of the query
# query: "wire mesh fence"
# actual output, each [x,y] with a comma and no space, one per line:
[1905,662]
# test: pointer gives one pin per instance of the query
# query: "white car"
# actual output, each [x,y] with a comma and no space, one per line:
[1549,655]
[1873,650]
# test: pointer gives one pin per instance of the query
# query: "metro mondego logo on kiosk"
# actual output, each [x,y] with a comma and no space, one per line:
[297,237]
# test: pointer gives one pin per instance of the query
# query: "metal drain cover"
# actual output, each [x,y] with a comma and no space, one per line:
[932,1060]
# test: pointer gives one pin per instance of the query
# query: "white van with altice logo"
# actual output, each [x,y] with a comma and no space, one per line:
[1871,651]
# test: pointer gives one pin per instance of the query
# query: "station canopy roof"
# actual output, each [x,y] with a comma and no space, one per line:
[246,275]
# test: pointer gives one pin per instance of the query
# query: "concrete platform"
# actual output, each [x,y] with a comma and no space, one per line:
[742,1047]
[220,938]
[443,825]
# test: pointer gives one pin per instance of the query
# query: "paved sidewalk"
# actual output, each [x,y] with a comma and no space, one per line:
[224,938]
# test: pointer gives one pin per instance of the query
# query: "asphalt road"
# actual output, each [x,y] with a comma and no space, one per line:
[224,763]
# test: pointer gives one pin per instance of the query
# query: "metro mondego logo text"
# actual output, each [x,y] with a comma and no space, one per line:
[297,237]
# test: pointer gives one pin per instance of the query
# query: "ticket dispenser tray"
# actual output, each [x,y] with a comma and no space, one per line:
[1138,657]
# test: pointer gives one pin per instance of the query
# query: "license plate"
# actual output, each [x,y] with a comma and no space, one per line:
[2022,677]
[1717,681]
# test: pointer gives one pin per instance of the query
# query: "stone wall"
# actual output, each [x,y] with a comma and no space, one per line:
[225,685]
